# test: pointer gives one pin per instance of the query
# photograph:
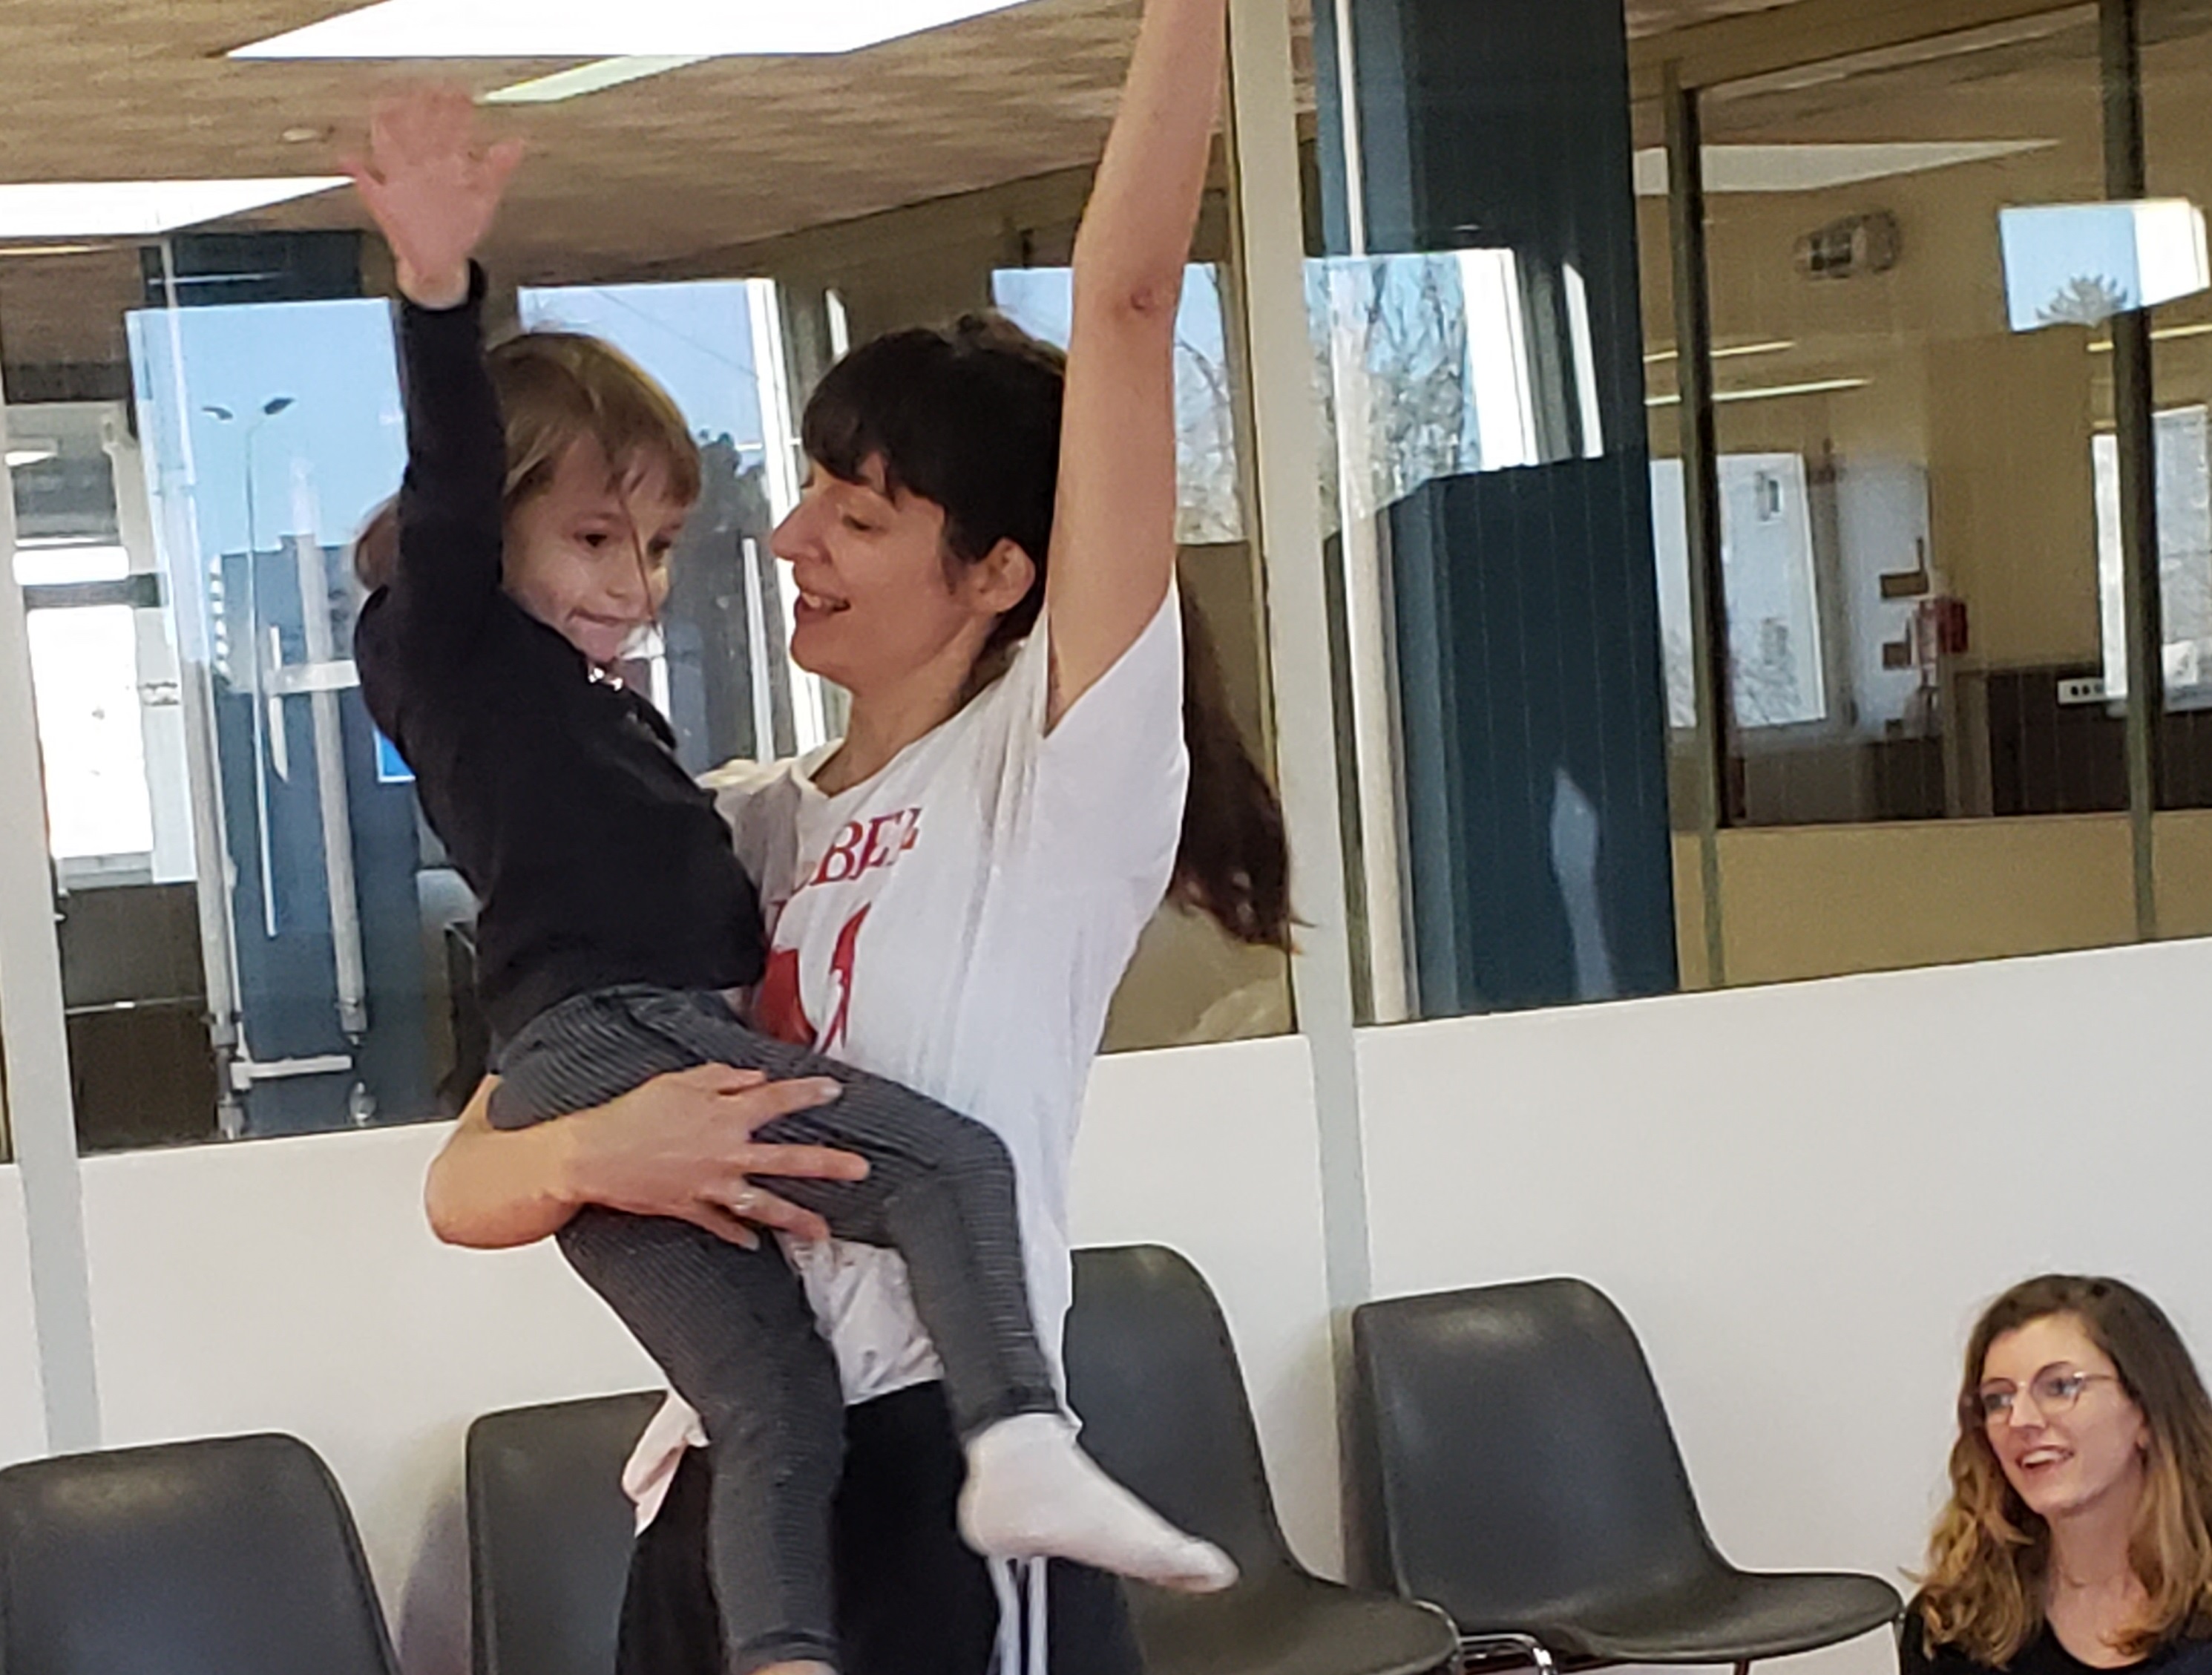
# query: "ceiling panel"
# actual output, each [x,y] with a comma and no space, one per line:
[717,155]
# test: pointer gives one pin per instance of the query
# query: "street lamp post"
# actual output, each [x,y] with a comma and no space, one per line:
[270,409]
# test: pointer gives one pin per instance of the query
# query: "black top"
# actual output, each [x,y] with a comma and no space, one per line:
[2043,1655]
[596,860]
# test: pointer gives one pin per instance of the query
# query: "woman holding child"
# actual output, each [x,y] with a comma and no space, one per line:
[983,555]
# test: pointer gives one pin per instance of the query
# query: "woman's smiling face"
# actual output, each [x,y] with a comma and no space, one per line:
[2064,1428]
[878,597]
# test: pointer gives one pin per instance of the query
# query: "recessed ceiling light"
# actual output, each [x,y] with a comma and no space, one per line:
[1733,351]
[1818,167]
[594,29]
[587,78]
[1772,393]
[139,208]
[304,136]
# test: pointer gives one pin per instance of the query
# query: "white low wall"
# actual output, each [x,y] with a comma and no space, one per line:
[1802,1196]
[1215,1151]
[293,1285]
[22,1411]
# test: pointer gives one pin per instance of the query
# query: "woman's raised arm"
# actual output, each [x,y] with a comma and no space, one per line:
[681,1146]
[1113,540]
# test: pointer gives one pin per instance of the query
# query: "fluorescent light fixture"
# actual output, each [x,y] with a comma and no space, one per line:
[32,454]
[7,251]
[139,208]
[595,29]
[1816,168]
[1659,356]
[589,78]
[2164,334]
[1772,393]
[2081,263]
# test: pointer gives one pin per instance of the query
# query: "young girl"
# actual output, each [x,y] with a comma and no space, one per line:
[616,922]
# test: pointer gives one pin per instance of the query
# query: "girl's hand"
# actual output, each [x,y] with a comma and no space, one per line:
[432,187]
[682,1146]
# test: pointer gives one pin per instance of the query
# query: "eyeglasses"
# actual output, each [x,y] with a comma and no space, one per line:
[2056,1390]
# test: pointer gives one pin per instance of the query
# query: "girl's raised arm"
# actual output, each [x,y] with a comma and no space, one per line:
[1114,533]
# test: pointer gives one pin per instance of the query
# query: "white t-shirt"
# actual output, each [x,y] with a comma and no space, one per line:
[959,924]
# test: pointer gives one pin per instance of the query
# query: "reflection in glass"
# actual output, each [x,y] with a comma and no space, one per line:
[719,673]
[1910,516]
[1210,501]
[2081,263]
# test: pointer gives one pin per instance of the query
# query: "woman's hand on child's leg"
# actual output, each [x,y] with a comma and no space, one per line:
[434,187]
[682,1146]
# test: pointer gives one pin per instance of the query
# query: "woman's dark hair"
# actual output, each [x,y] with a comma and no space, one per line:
[969,419]
[1982,1591]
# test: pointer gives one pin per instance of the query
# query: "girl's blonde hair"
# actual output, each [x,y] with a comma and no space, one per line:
[1988,1557]
[556,389]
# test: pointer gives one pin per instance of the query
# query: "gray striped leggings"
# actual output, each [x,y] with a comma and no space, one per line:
[732,1327]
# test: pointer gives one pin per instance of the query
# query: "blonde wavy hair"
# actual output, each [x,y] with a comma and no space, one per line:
[1982,1592]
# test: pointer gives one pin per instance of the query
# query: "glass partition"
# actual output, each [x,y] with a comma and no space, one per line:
[259,933]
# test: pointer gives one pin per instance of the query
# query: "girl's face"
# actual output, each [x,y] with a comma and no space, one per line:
[878,603]
[587,555]
[2064,1428]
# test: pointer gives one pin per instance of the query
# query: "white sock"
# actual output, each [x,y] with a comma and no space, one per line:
[1033,1493]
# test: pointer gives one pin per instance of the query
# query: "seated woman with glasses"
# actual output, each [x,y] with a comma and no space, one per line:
[2076,1537]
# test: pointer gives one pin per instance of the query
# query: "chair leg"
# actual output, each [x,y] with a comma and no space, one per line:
[1523,1648]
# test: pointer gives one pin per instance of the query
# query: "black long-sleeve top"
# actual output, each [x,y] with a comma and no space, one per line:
[595,859]
[2184,1655]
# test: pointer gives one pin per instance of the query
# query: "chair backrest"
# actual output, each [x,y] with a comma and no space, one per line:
[1153,1374]
[550,1534]
[1511,1455]
[235,1555]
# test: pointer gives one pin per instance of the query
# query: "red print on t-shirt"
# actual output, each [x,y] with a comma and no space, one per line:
[841,973]
[866,846]
[779,1009]
[861,846]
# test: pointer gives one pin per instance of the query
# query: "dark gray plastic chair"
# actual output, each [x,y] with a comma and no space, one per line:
[1152,1372]
[1515,1466]
[550,1534]
[231,1556]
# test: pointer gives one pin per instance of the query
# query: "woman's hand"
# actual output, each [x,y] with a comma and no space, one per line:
[432,187]
[680,1146]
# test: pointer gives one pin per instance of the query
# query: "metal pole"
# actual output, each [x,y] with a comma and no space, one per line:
[260,681]
[2133,396]
[40,1107]
[1701,499]
[1270,247]
[334,804]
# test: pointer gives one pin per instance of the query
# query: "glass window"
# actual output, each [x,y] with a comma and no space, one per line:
[1486,472]
[260,934]
[2177,69]
[1917,479]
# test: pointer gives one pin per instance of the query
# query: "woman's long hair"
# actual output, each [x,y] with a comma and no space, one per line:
[969,419]
[1990,1556]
